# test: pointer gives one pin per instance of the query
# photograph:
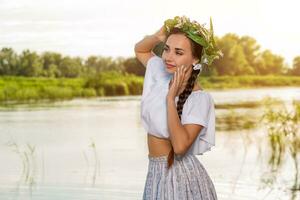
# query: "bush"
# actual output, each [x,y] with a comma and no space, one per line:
[115,83]
[115,88]
[2,97]
[26,94]
[135,87]
[53,92]
[121,89]
[100,92]
[89,92]
[10,90]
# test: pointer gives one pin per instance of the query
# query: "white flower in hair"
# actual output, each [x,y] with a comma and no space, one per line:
[197,66]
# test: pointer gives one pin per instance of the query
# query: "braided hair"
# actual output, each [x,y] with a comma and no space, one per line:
[196,52]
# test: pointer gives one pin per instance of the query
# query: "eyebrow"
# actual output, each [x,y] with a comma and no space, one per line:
[179,49]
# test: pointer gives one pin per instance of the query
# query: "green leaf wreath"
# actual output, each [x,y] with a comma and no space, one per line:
[199,34]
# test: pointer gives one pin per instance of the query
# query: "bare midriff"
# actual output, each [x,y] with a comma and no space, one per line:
[162,146]
[158,146]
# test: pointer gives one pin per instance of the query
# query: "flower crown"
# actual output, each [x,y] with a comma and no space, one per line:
[199,34]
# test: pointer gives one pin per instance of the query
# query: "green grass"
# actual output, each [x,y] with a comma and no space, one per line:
[226,82]
[23,89]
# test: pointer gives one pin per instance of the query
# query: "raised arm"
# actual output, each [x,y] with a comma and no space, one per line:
[143,49]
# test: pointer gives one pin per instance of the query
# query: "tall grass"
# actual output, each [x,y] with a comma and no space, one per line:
[27,155]
[23,89]
[283,129]
[247,81]
[113,83]
[92,157]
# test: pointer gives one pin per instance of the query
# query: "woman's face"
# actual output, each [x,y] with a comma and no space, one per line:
[177,51]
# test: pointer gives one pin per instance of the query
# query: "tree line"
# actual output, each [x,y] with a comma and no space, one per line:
[55,65]
[242,56]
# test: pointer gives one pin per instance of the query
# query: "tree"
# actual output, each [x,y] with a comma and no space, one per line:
[251,50]
[8,62]
[51,62]
[234,61]
[71,67]
[134,66]
[296,66]
[30,64]
[269,63]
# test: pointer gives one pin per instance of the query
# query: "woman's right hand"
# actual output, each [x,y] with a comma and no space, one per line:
[161,34]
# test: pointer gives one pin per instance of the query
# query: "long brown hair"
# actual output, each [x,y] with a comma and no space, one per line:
[197,53]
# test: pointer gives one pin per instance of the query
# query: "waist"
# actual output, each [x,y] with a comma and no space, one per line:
[158,146]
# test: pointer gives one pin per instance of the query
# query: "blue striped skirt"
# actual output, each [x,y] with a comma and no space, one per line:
[187,179]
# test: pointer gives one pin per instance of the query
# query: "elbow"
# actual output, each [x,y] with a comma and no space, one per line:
[136,51]
[136,48]
[179,150]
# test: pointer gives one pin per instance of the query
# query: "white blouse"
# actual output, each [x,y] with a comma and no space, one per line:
[198,108]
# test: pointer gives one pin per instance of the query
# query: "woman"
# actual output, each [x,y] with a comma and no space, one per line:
[176,112]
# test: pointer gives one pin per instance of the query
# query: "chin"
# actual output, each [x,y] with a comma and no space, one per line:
[171,71]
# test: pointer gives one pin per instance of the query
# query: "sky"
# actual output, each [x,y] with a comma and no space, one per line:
[111,28]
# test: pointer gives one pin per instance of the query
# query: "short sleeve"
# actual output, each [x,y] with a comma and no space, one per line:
[153,102]
[150,74]
[200,109]
[197,110]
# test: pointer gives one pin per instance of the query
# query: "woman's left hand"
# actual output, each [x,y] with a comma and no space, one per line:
[176,82]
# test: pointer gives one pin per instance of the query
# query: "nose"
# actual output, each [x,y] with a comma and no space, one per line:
[168,57]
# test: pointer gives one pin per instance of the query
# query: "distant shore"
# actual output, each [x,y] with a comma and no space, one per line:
[23,89]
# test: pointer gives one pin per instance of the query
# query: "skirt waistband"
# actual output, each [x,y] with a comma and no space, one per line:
[164,158]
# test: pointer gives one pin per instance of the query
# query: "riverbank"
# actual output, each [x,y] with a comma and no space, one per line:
[23,89]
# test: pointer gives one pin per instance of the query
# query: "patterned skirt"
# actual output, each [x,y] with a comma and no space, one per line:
[187,179]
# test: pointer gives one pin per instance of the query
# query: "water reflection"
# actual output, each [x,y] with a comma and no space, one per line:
[96,148]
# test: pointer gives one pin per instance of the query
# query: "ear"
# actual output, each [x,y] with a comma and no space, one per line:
[196,60]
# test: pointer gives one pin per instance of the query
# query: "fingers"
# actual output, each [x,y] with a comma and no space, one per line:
[185,69]
[181,74]
[175,76]
[185,72]
[178,77]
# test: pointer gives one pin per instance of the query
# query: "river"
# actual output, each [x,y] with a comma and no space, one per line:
[96,149]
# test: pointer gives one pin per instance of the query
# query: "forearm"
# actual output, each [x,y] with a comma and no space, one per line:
[178,134]
[147,44]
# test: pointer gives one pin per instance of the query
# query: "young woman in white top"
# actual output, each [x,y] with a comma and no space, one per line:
[177,114]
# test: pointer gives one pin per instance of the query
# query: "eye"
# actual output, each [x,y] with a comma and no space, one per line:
[165,48]
[178,53]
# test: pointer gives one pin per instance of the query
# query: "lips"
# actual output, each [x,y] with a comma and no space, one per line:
[170,66]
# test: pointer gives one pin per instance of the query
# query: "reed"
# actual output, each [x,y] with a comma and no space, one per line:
[283,133]
[27,155]
[92,161]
